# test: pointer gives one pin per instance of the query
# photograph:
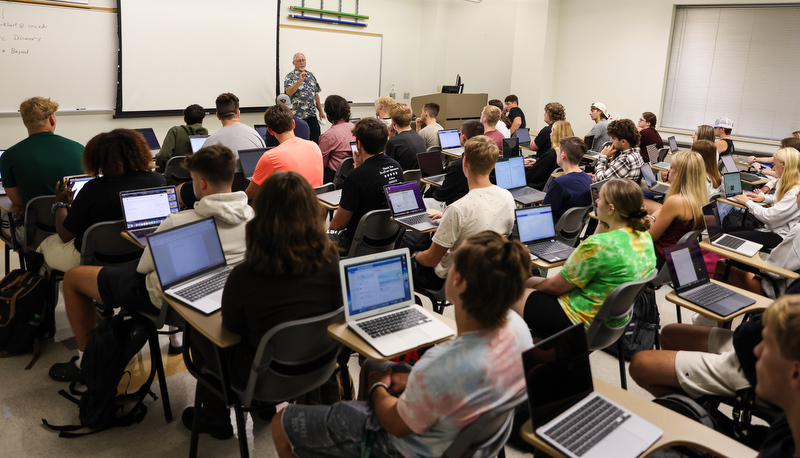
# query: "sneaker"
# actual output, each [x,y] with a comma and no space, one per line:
[66,372]
[218,429]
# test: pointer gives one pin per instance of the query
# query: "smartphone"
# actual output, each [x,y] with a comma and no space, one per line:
[76,182]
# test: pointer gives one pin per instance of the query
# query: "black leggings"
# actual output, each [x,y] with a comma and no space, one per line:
[544,315]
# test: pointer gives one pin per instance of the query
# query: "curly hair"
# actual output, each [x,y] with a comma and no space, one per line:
[116,153]
[624,129]
[556,111]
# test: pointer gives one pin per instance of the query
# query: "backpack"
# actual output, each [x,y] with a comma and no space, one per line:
[23,296]
[642,329]
[115,341]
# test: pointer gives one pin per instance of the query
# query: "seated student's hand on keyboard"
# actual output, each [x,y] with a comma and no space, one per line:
[435,215]
[755,197]
[742,198]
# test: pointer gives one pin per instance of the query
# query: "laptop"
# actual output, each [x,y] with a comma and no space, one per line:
[568,414]
[249,159]
[197,142]
[450,142]
[76,183]
[430,164]
[152,141]
[665,163]
[730,167]
[145,209]
[538,233]
[727,241]
[511,147]
[589,141]
[650,180]
[510,174]
[262,130]
[190,264]
[673,144]
[732,183]
[652,153]
[524,136]
[687,268]
[407,207]
[379,288]
[331,198]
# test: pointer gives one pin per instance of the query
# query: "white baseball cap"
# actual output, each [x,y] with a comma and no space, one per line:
[725,123]
[601,107]
[284,100]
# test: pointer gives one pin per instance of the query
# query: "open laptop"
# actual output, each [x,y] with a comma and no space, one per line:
[524,136]
[407,207]
[673,144]
[511,147]
[331,198]
[450,142]
[510,174]
[665,163]
[262,130]
[652,153]
[191,264]
[732,184]
[197,142]
[650,180]
[589,141]
[152,141]
[430,164]
[538,233]
[568,414]
[145,209]
[378,289]
[249,159]
[690,280]
[730,167]
[727,241]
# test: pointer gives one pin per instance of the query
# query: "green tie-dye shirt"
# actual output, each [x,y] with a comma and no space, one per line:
[600,264]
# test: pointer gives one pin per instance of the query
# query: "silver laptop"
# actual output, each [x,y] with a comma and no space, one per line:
[430,164]
[331,198]
[524,136]
[537,232]
[690,280]
[730,167]
[732,184]
[378,296]
[673,144]
[450,142]
[652,153]
[152,141]
[191,264]
[145,209]
[568,414]
[727,241]
[650,180]
[249,159]
[510,175]
[407,207]
[197,142]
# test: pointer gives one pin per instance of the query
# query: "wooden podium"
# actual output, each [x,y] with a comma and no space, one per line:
[453,108]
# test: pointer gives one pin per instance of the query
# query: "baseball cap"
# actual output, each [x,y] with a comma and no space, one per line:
[600,107]
[284,100]
[725,123]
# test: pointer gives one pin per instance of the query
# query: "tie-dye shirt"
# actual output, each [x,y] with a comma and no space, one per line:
[457,381]
[600,264]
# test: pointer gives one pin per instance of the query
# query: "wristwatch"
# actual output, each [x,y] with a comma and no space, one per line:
[58,205]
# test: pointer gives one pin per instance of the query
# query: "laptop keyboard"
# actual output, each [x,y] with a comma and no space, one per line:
[144,232]
[749,176]
[543,249]
[415,219]
[731,242]
[205,287]
[708,294]
[587,426]
[393,322]
[660,188]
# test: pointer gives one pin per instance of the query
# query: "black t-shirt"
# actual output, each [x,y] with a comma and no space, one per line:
[538,174]
[516,112]
[778,443]
[99,201]
[455,184]
[543,139]
[362,190]
[404,147]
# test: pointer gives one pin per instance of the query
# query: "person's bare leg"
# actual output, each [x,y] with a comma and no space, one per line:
[80,292]
[681,336]
[282,444]
[654,370]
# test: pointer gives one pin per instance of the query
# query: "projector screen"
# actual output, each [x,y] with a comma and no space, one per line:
[179,52]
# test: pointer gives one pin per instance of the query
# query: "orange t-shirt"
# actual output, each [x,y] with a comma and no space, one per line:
[295,155]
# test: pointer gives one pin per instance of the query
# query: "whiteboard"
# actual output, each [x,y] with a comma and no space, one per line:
[66,54]
[345,64]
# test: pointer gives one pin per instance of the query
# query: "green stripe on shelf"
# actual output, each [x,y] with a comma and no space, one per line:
[337,13]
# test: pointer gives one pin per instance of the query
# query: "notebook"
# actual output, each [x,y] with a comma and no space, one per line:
[690,280]
[510,174]
[730,167]
[673,144]
[568,414]
[407,207]
[76,183]
[511,147]
[732,184]
[727,241]
[152,141]
[430,164]
[524,136]
[379,288]
[651,182]
[589,141]
[197,142]
[262,130]
[190,264]
[249,160]
[145,209]
[538,233]
[450,142]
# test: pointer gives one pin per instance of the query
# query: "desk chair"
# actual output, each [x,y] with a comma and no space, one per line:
[240,183]
[376,233]
[284,367]
[344,168]
[663,277]
[413,175]
[327,187]
[569,226]
[662,153]
[486,436]
[437,297]
[552,177]
[618,304]
[175,173]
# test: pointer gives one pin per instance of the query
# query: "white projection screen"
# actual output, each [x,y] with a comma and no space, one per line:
[178,52]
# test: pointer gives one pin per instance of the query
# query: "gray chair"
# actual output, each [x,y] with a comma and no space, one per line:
[376,233]
[327,187]
[175,173]
[344,168]
[437,297]
[662,153]
[663,277]
[486,436]
[618,304]
[412,175]
[551,178]
[40,221]
[570,225]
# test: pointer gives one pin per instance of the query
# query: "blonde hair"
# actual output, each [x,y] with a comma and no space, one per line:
[401,114]
[689,182]
[796,134]
[791,171]
[783,320]
[705,132]
[708,151]
[481,153]
[36,111]
[492,114]
[561,129]
[386,101]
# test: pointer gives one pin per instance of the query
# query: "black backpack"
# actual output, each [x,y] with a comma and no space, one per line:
[642,329]
[23,296]
[115,341]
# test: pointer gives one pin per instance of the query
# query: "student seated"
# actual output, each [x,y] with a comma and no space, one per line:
[599,114]
[722,129]
[514,113]
[176,142]
[713,180]
[286,275]
[553,112]
[649,134]
[490,117]
[212,170]
[455,184]
[621,159]
[427,126]
[404,143]
[622,251]
[300,130]
[504,122]
[414,414]
[123,159]
[334,143]
[573,188]
[383,106]
[788,142]
[485,207]
[539,170]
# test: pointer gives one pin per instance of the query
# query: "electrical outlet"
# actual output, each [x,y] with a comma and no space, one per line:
[406,95]
[392,95]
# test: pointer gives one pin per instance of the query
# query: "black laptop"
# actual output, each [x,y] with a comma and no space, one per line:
[430,164]
[537,232]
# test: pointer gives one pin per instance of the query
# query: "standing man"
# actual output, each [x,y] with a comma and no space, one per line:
[302,86]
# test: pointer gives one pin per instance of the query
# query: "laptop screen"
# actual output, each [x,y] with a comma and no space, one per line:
[523,135]
[262,130]
[377,282]
[430,163]
[150,136]
[686,265]
[404,198]
[557,374]
[511,147]
[185,251]
[510,173]
[711,218]
[535,223]
[449,139]
[197,142]
[649,176]
[733,183]
[589,141]
[673,144]
[729,163]
[148,207]
[652,153]
[249,159]
[77,184]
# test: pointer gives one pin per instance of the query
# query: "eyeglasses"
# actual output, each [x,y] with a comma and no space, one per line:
[641,120]
[300,60]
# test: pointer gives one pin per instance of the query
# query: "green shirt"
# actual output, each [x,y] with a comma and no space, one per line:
[177,143]
[35,164]
[600,264]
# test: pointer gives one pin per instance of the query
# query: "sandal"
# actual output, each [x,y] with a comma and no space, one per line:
[66,372]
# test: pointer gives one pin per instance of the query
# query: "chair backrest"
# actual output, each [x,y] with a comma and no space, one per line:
[433,148]
[595,189]
[412,175]
[292,359]
[487,435]
[327,187]
[570,225]
[40,221]
[556,173]
[344,168]
[662,153]
[663,277]
[376,233]
[175,173]
[617,305]
[103,245]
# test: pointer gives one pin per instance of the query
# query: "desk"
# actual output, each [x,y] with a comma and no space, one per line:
[725,200]
[330,200]
[343,333]
[128,237]
[427,231]
[678,430]
[753,261]
[451,154]
[431,183]
[761,304]
[208,325]
[544,265]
